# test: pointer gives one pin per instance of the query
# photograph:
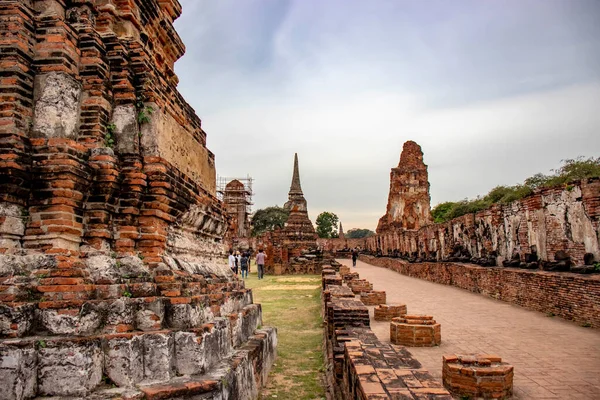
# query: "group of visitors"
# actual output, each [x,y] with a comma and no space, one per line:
[241,262]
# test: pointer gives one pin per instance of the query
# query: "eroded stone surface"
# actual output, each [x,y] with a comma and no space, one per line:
[110,229]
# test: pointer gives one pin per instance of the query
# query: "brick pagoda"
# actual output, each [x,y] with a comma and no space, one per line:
[298,233]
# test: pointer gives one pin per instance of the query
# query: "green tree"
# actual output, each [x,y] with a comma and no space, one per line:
[327,223]
[441,211]
[357,233]
[267,219]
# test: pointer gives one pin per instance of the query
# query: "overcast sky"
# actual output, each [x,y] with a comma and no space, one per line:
[493,91]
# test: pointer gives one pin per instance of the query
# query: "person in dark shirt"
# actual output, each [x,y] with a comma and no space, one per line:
[354,257]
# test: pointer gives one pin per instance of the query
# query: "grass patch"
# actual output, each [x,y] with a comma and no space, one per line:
[293,305]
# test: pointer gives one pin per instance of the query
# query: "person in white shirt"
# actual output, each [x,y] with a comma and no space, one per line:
[232,261]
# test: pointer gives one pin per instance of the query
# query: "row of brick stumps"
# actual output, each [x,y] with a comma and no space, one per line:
[479,376]
[358,365]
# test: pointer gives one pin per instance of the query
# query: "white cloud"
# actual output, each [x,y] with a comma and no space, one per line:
[346,87]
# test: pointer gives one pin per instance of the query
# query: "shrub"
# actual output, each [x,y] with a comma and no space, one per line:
[571,170]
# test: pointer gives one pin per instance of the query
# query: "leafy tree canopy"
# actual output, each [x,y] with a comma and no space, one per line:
[267,219]
[327,223]
[571,170]
[357,233]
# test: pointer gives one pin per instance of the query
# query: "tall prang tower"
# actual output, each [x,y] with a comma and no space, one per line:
[408,205]
[298,232]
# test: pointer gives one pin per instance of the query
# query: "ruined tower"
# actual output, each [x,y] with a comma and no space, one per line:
[298,232]
[111,260]
[341,232]
[408,205]
[237,198]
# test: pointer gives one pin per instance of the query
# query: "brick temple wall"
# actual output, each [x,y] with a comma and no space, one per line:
[570,296]
[549,221]
[111,259]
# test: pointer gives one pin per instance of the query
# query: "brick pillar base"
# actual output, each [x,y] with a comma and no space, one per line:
[373,298]
[415,331]
[477,376]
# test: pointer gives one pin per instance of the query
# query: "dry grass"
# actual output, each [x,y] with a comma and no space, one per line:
[293,305]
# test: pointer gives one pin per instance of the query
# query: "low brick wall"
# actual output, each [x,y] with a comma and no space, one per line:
[570,296]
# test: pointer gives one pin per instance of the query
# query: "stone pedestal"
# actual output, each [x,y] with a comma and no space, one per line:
[373,298]
[385,312]
[479,376]
[360,285]
[415,331]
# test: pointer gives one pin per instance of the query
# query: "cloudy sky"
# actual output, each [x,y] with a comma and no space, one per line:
[493,91]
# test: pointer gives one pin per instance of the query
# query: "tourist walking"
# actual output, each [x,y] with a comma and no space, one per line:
[244,261]
[260,263]
[232,262]
[354,257]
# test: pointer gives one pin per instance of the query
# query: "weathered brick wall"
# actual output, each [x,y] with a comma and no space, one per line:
[544,223]
[571,296]
[408,199]
[337,244]
[110,229]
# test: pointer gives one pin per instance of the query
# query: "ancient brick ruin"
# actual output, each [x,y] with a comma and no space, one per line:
[358,364]
[237,202]
[112,281]
[478,376]
[292,250]
[554,228]
[386,312]
[408,200]
[415,331]
[298,233]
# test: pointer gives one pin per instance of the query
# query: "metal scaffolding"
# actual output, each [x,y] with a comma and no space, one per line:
[231,195]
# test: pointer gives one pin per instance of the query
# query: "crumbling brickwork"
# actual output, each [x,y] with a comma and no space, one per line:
[478,376]
[554,228]
[236,199]
[408,201]
[415,331]
[110,229]
[373,297]
[358,365]
[385,312]
[298,233]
